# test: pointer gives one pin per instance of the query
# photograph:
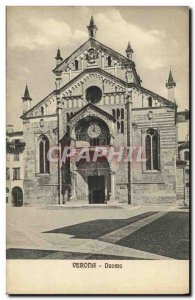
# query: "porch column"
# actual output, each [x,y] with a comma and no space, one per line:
[112,195]
[73,181]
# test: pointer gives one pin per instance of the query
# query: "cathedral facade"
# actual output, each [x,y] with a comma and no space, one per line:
[100,107]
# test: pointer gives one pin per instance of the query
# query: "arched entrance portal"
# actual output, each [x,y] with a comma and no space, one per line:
[93,179]
[17,196]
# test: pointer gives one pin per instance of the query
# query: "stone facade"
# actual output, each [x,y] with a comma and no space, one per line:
[96,85]
[14,166]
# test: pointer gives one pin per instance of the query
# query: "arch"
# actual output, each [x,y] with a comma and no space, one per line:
[82,134]
[17,196]
[43,148]
[95,175]
[152,149]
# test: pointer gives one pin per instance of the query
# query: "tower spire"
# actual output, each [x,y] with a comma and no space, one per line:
[170,85]
[26,94]
[58,57]
[170,82]
[129,51]
[92,28]
[26,99]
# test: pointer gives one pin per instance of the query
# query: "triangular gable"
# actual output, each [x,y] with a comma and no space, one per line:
[72,83]
[108,76]
[29,113]
[159,98]
[94,108]
[99,46]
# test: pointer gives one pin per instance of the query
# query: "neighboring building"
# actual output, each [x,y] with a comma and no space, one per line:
[183,156]
[99,100]
[14,167]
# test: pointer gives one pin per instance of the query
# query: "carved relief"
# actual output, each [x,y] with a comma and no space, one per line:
[92,55]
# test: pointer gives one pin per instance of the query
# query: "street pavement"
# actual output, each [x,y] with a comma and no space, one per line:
[157,232]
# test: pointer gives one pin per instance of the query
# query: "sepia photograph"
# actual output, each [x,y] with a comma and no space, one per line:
[97,147]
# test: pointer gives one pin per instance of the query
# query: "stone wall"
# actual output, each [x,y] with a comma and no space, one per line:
[39,189]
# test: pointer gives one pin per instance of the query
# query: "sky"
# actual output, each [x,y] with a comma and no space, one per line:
[158,35]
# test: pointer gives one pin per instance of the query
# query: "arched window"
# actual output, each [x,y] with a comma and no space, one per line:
[43,150]
[113,113]
[122,113]
[122,126]
[150,102]
[118,113]
[109,61]
[118,127]
[152,146]
[68,117]
[42,110]
[68,129]
[76,64]
[186,155]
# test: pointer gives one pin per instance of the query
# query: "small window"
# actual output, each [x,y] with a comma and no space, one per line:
[186,155]
[122,126]
[16,156]
[113,113]
[150,102]
[109,61]
[68,117]
[118,113]
[7,174]
[42,110]
[76,65]
[122,113]
[7,190]
[68,129]
[118,127]
[16,173]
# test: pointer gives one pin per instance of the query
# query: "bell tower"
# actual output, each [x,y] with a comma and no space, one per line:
[129,51]
[170,85]
[92,28]
[26,100]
